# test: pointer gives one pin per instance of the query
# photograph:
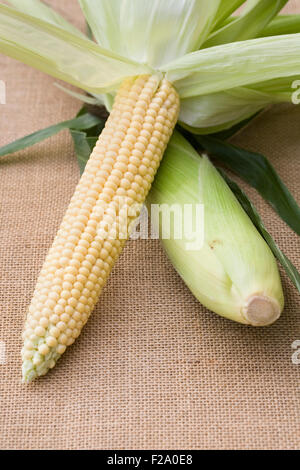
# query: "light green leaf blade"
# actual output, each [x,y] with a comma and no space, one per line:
[237,64]
[257,171]
[280,88]
[251,4]
[226,8]
[282,24]
[62,54]
[249,208]
[104,19]
[248,25]
[153,32]
[206,114]
[41,10]
[79,96]
[84,121]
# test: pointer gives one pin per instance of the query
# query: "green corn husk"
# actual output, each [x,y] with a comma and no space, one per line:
[234,273]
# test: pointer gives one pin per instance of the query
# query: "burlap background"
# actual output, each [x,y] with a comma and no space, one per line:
[153,368]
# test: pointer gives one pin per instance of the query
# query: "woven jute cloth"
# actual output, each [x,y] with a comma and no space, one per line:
[152,368]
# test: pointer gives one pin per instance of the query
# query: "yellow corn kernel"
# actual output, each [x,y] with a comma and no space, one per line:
[95,227]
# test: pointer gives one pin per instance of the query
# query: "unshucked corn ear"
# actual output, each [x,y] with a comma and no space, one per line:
[234,272]
[107,199]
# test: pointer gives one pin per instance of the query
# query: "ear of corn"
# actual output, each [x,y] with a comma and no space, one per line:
[107,199]
[233,272]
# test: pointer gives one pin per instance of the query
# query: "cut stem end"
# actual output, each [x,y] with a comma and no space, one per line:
[261,311]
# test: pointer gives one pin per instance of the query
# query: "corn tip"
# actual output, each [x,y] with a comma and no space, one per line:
[31,371]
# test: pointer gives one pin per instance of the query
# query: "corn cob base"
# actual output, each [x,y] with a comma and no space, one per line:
[94,230]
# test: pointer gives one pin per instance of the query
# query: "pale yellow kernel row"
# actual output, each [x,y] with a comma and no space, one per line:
[95,227]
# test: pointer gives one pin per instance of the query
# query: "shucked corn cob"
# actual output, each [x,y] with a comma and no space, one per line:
[107,199]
